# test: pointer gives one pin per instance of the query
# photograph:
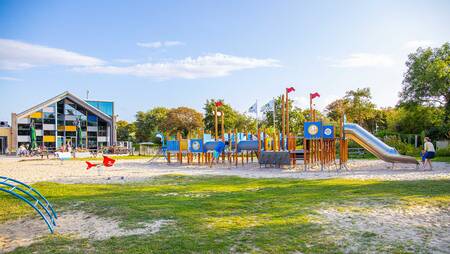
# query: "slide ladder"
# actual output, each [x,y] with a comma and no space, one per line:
[32,197]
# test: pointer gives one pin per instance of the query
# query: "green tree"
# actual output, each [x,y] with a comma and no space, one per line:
[357,106]
[125,131]
[183,119]
[232,118]
[427,79]
[297,117]
[415,119]
[149,123]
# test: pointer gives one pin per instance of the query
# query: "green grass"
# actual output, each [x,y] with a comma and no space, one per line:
[442,159]
[243,215]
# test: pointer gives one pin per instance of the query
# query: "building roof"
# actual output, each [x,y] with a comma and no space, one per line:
[62,96]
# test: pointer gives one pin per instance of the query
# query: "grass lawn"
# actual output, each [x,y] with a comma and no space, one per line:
[219,214]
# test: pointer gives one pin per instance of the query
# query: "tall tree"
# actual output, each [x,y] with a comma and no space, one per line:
[297,117]
[183,119]
[357,106]
[125,131]
[149,123]
[232,118]
[427,79]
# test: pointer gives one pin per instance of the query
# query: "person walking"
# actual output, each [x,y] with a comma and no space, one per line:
[428,152]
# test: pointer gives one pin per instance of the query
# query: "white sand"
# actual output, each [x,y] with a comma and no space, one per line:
[140,170]
[417,228]
[23,232]
[393,224]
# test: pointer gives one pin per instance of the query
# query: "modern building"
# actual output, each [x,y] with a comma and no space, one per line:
[65,119]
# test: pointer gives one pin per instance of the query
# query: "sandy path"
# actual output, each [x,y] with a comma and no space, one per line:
[77,224]
[140,170]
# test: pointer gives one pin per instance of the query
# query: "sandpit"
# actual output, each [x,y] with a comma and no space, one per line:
[362,228]
[23,232]
[140,170]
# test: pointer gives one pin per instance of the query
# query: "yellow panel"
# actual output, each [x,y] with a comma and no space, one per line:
[184,144]
[49,138]
[36,115]
[60,128]
[71,128]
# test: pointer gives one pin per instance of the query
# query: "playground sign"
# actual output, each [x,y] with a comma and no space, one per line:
[196,145]
[328,131]
[313,130]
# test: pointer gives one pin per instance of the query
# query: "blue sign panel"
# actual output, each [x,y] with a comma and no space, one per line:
[328,131]
[173,145]
[313,130]
[196,145]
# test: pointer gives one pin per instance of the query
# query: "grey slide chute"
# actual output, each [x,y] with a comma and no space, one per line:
[374,145]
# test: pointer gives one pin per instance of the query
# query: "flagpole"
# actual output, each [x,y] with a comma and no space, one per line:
[257,119]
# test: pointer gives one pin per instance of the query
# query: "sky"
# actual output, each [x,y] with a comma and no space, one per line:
[144,54]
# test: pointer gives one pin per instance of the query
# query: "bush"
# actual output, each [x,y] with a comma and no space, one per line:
[402,147]
[443,152]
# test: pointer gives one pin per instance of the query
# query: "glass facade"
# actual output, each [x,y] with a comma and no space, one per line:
[106,107]
[65,123]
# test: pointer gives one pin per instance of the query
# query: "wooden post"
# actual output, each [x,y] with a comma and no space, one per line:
[265,140]
[216,124]
[235,148]
[180,152]
[283,119]
[223,135]
[287,117]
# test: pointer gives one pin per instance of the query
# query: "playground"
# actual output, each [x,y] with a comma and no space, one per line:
[230,191]
[141,206]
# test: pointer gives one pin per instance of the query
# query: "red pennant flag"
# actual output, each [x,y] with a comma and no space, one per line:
[90,165]
[108,162]
[290,89]
[219,103]
[314,95]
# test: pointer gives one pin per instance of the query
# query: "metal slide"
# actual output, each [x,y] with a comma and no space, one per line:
[374,145]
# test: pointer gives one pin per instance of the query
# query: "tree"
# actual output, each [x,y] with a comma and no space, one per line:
[427,79]
[232,118]
[297,117]
[183,119]
[149,123]
[357,106]
[125,131]
[415,119]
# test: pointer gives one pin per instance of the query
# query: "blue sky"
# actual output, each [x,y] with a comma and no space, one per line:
[143,54]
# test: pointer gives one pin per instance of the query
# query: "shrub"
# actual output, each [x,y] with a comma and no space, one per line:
[443,152]
[402,147]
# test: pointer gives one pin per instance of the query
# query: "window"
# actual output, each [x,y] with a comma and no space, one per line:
[92,120]
[71,134]
[49,121]
[49,133]
[102,131]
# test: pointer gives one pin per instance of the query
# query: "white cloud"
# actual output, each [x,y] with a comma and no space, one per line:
[364,60]
[124,60]
[212,65]
[413,45]
[16,55]
[159,44]
[10,79]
